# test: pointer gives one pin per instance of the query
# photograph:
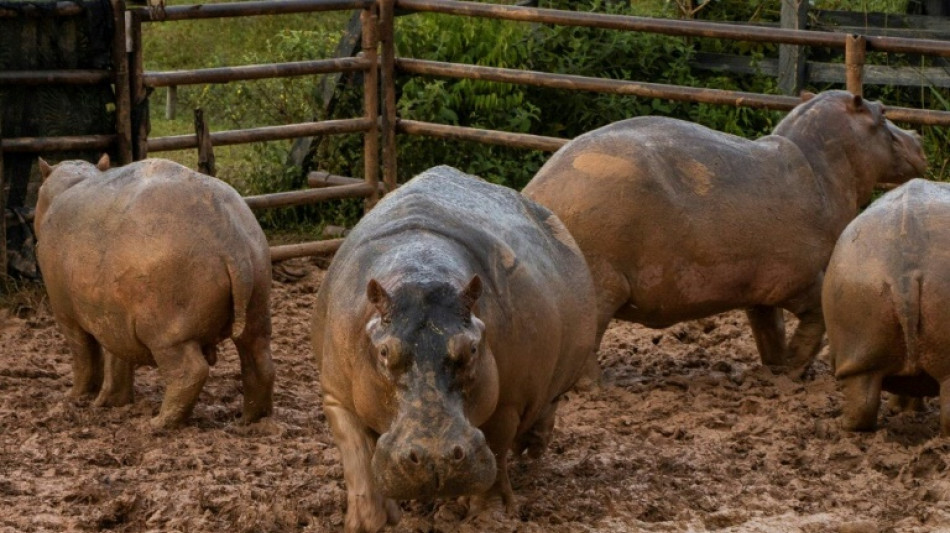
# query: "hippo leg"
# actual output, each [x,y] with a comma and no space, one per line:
[87,360]
[366,508]
[806,341]
[535,440]
[945,407]
[899,403]
[862,398]
[184,370]
[500,433]
[117,385]
[768,329]
[257,371]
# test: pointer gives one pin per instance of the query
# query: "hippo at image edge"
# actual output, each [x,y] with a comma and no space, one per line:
[451,320]
[156,264]
[679,222]
[885,300]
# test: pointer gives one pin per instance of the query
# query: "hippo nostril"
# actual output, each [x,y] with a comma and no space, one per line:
[458,453]
[414,458]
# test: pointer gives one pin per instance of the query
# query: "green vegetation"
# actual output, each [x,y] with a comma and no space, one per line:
[651,58]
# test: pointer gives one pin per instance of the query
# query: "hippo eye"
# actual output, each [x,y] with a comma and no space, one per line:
[384,353]
[474,349]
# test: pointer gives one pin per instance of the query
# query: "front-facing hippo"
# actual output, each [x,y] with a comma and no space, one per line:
[451,320]
[885,303]
[679,222]
[157,264]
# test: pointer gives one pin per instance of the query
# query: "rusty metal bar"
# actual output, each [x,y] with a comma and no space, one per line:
[370,43]
[854,53]
[624,22]
[120,80]
[288,251]
[248,9]
[308,196]
[905,45]
[51,77]
[61,9]
[138,93]
[55,144]
[584,83]
[266,133]
[514,140]
[253,72]
[388,73]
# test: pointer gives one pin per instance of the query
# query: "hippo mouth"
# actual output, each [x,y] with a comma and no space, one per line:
[419,477]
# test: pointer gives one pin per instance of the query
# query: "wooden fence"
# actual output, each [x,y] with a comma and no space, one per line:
[379,65]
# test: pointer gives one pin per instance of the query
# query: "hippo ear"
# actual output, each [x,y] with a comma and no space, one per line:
[45,169]
[471,292]
[104,163]
[856,102]
[378,296]
[807,95]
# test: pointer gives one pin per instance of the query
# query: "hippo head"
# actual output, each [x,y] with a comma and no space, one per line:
[57,179]
[860,143]
[430,346]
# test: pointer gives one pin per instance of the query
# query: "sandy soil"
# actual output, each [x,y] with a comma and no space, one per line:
[687,433]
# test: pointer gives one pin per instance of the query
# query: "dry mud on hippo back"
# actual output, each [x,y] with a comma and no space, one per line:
[450,321]
[156,264]
[679,222]
[885,303]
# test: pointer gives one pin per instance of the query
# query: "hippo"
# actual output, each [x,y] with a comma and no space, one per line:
[451,320]
[679,222]
[157,264]
[884,301]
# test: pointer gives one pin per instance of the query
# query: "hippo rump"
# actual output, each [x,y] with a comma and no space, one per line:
[157,264]
[885,303]
[450,321]
[679,222]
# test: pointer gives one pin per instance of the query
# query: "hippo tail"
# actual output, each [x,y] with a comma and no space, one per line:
[906,297]
[242,284]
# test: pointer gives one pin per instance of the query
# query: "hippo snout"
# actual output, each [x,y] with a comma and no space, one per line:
[418,463]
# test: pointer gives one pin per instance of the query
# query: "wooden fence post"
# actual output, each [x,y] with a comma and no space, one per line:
[120,80]
[388,63]
[855,50]
[791,58]
[171,102]
[370,19]
[139,95]
[205,148]
[3,213]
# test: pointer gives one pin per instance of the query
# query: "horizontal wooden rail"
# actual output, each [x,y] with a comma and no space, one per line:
[253,72]
[585,83]
[685,28]
[57,144]
[309,196]
[60,9]
[49,77]
[503,138]
[250,9]
[288,251]
[927,117]
[266,133]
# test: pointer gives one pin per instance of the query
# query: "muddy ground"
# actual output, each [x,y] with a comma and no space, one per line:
[687,433]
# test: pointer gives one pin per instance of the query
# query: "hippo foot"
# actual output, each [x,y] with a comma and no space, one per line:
[488,504]
[114,398]
[163,421]
[370,514]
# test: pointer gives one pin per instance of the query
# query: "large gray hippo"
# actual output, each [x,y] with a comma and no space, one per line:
[157,264]
[885,302]
[679,222]
[449,323]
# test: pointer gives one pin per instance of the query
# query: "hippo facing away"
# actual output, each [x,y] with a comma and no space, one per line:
[885,303]
[678,221]
[450,321]
[157,264]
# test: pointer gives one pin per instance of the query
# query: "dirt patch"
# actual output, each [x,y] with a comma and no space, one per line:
[687,433]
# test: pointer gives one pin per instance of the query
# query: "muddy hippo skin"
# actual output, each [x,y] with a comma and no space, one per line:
[450,321]
[157,264]
[678,221]
[885,303]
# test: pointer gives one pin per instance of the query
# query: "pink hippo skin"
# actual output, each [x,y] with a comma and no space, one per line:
[157,264]
[679,222]
[885,303]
